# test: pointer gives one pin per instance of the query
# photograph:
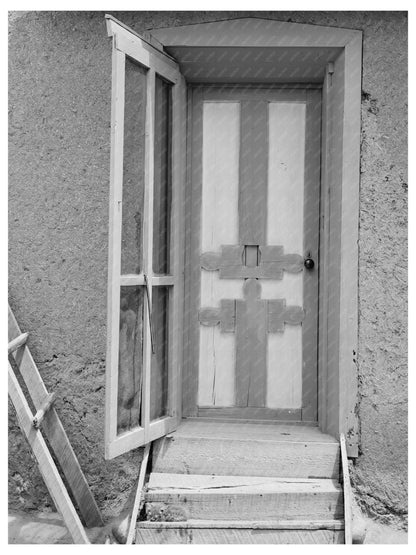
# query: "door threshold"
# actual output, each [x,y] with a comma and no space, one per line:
[236,420]
[229,429]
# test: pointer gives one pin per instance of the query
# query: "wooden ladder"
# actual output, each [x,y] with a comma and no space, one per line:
[46,423]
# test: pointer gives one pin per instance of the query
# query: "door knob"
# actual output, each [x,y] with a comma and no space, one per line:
[309,263]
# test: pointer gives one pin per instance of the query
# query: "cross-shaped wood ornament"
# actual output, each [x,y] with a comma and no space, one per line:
[251,319]
[231,262]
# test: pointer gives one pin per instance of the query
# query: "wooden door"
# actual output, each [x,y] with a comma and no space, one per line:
[254,219]
[145,261]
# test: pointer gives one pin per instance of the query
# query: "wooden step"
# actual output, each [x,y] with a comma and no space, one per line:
[246,524]
[161,534]
[182,497]
[264,452]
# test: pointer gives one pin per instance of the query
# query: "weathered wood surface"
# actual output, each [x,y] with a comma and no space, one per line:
[224,498]
[229,497]
[245,524]
[54,431]
[45,461]
[347,491]
[214,200]
[205,428]
[40,415]
[241,484]
[292,459]
[139,498]
[237,536]
[285,226]
[251,319]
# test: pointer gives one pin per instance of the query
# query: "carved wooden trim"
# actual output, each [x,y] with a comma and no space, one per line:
[272,264]
[251,319]
[279,314]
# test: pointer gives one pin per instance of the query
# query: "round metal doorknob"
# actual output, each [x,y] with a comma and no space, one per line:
[309,264]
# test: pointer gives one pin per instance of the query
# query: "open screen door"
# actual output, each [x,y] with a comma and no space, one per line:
[148,116]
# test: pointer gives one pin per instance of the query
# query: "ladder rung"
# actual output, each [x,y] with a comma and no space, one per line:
[17,342]
[40,415]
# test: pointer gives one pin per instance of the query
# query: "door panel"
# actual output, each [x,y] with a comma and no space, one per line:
[145,284]
[255,203]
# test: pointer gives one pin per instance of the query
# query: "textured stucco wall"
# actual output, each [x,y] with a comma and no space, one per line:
[59,102]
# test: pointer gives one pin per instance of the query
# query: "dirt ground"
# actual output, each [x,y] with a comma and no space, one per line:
[48,528]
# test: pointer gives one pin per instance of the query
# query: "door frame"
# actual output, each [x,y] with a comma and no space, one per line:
[338,69]
[197,94]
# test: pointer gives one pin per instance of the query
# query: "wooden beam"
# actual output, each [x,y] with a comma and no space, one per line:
[46,464]
[272,500]
[247,524]
[179,535]
[114,247]
[138,501]
[18,342]
[241,457]
[40,415]
[347,491]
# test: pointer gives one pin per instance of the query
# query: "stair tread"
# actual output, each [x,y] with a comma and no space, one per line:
[196,483]
[250,457]
[334,524]
[250,431]
[220,536]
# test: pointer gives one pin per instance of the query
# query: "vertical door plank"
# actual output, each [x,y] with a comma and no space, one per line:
[220,151]
[252,203]
[251,347]
[311,248]
[286,156]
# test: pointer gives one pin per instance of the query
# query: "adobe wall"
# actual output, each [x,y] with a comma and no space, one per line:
[59,149]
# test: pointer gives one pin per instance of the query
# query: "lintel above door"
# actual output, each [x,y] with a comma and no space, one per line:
[253,50]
